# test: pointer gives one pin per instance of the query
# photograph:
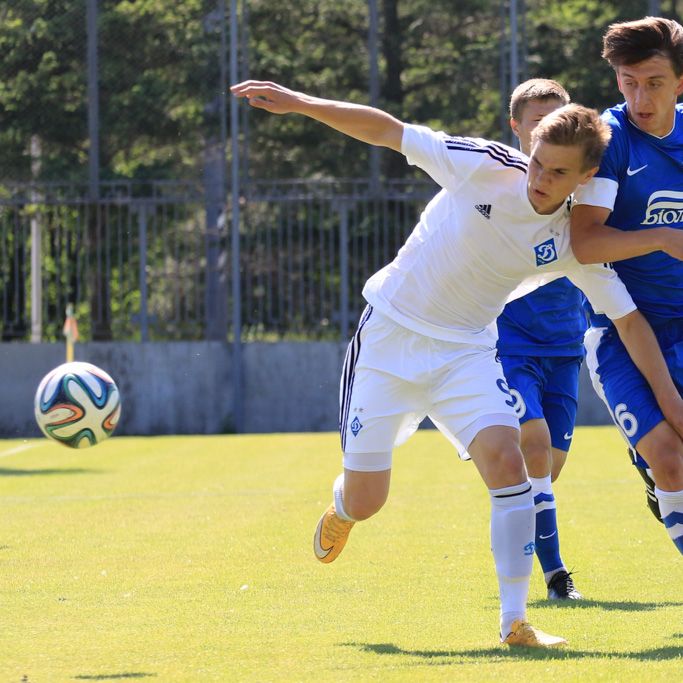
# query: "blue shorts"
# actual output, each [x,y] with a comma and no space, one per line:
[546,387]
[620,384]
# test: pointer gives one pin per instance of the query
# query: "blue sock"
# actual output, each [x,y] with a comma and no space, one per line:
[547,536]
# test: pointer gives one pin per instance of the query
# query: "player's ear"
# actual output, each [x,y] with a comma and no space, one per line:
[587,175]
[515,127]
[679,88]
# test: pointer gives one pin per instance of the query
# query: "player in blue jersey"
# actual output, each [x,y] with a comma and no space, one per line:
[631,214]
[540,344]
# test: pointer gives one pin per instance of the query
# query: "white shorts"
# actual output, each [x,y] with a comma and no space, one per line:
[393,378]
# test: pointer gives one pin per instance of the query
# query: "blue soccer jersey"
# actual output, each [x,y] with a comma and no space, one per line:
[549,321]
[641,181]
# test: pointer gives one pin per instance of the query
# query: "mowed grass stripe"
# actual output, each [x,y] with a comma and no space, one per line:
[189,559]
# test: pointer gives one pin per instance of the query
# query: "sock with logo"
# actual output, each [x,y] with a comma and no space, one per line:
[547,536]
[671,507]
[512,544]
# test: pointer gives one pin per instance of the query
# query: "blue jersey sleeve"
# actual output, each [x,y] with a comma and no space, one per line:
[641,181]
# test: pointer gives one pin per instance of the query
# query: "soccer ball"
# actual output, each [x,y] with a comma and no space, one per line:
[77,404]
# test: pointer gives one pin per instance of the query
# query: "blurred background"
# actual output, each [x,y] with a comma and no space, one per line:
[133,187]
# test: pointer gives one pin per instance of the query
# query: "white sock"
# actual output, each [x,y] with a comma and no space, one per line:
[671,508]
[512,543]
[337,490]
[541,484]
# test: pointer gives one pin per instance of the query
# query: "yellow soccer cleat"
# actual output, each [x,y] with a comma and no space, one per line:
[523,634]
[330,535]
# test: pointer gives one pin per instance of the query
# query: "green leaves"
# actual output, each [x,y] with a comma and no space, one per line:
[159,78]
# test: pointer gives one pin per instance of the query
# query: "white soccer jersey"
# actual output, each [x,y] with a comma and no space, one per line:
[476,242]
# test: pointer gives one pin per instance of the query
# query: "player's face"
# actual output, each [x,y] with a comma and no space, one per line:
[532,112]
[650,89]
[555,171]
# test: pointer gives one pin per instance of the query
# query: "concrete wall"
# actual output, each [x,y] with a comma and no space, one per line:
[186,387]
[292,386]
[170,388]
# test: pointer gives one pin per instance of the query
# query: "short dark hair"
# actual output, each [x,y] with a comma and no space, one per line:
[535,89]
[632,42]
[573,125]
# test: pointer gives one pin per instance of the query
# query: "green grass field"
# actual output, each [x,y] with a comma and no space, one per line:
[190,559]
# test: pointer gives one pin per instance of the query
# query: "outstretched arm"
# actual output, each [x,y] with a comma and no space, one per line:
[366,124]
[642,346]
[594,242]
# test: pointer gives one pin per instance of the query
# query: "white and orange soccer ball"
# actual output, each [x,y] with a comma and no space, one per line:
[77,404]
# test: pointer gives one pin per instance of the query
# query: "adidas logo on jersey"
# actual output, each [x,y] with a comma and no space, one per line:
[484,210]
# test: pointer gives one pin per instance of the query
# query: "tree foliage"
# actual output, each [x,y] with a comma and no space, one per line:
[160,90]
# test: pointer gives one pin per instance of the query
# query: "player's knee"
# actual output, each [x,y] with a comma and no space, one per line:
[536,447]
[365,492]
[665,457]
[360,507]
[537,458]
[509,464]
[498,457]
[669,468]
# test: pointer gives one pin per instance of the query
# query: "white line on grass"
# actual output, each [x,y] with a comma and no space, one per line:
[17,449]
[175,495]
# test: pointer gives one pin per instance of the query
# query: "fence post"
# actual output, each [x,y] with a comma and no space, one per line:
[144,321]
[216,297]
[216,304]
[514,45]
[93,100]
[36,250]
[36,280]
[344,269]
[374,90]
[238,377]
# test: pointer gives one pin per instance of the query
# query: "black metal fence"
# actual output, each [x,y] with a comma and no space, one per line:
[140,263]
[308,247]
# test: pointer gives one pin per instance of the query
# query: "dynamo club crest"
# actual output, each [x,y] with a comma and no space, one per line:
[545,252]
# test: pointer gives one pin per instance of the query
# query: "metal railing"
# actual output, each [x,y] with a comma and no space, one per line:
[308,247]
[141,263]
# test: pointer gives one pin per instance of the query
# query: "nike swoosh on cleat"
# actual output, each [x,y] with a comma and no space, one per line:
[548,536]
[320,552]
[635,170]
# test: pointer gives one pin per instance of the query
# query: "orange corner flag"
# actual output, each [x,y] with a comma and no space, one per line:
[70,331]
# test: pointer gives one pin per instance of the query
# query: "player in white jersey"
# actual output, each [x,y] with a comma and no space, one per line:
[425,344]
[632,213]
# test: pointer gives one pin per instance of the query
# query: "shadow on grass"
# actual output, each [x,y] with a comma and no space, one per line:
[113,677]
[14,472]
[505,653]
[608,605]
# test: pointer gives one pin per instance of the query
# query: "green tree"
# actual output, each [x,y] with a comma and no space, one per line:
[159,77]
[42,86]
